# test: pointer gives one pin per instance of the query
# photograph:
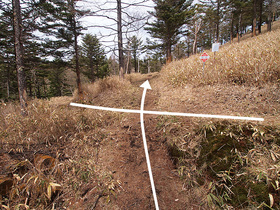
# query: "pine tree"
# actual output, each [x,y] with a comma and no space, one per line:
[19,56]
[170,17]
[93,58]
[8,82]
[61,19]
[56,77]
[136,48]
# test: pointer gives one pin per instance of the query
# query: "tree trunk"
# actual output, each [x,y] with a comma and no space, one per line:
[195,44]
[19,56]
[8,88]
[239,28]
[188,44]
[38,91]
[135,61]
[218,21]
[231,29]
[128,66]
[149,67]
[77,66]
[197,27]
[91,69]
[254,19]
[8,78]
[260,16]
[168,52]
[269,22]
[120,41]
[269,18]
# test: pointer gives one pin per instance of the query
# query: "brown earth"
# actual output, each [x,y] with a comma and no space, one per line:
[123,155]
[103,166]
[119,179]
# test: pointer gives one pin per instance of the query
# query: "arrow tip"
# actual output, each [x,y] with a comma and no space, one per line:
[146,85]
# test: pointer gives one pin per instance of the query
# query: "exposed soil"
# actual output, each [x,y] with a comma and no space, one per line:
[120,154]
[127,161]
[124,156]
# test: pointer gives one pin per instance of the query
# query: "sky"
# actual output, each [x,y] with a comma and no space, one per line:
[108,37]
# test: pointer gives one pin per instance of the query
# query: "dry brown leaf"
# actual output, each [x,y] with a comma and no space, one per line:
[44,162]
[271,200]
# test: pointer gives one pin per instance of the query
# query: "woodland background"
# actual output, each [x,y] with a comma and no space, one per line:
[44,52]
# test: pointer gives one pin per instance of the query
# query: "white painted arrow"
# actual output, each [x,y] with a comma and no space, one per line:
[146,85]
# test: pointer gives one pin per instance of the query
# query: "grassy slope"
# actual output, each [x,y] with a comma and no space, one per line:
[75,139]
[255,61]
[242,79]
[227,156]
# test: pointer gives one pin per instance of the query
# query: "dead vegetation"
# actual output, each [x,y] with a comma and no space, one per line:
[49,158]
[251,62]
[237,163]
[65,157]
[110,92]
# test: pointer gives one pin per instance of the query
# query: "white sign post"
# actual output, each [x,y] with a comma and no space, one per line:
[215,48]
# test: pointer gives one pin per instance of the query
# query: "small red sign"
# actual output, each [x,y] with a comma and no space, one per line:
[204,57]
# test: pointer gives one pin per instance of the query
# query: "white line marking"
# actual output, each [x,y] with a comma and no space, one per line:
[146,86]
[167,113]
[105,108]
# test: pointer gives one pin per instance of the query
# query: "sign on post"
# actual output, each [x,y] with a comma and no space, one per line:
[204,57]
[215,47]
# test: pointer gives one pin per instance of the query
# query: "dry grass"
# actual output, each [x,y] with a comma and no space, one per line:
[113,92]
[224,100]
[49,157]
[242,80]
[138,78]
[53,154]
[275,26]
[93,90]
[224,158]
[254,61]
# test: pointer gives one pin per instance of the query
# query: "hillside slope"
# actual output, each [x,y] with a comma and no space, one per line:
[241,79]
[254,61]
[63,157]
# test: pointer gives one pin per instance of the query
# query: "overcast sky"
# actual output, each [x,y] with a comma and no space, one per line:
[103,33]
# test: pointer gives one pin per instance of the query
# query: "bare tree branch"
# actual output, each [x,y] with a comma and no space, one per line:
[98,26]
[105,16]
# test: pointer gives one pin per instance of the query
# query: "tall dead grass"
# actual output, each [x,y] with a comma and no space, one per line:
[254,61]
[139,78]
[93,90]
[46,123]
[111,92]
[64,138]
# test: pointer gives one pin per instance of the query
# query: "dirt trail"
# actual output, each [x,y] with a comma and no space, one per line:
[121,157]
[125,157]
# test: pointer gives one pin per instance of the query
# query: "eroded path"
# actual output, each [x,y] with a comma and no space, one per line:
[124,156]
